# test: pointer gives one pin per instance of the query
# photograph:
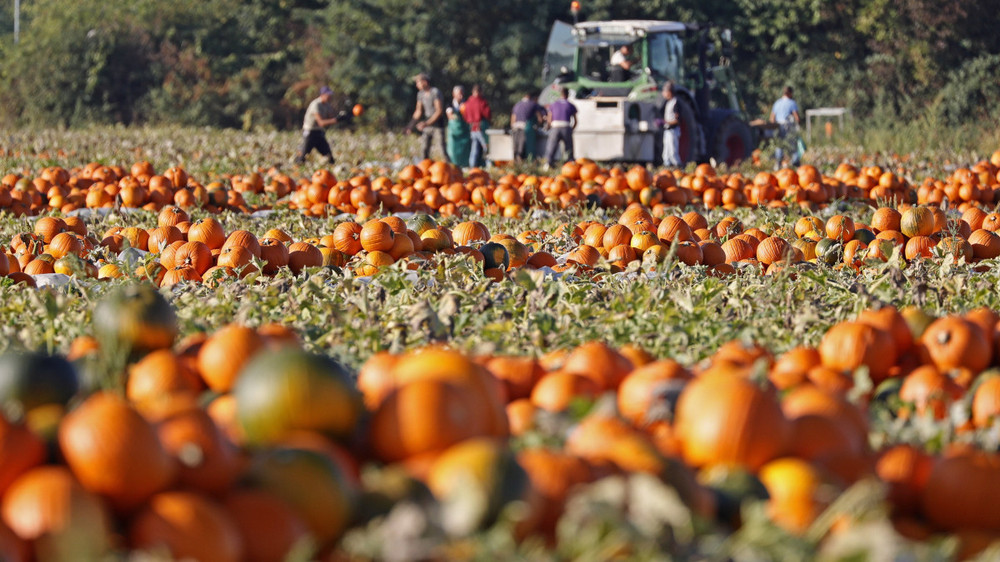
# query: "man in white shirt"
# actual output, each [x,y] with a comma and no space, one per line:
[621,65]
[671,127]
[319,116]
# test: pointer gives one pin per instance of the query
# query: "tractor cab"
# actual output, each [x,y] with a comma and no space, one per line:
[620,111]
[580,57]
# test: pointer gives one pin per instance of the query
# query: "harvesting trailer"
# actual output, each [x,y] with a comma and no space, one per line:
[618,111]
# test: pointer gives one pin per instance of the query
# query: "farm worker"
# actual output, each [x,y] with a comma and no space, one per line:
[429,116]
[458,129]
[525,119]
[319,115]
[671,127]
[562,121]
[477,115]
[621,65]
[785,113]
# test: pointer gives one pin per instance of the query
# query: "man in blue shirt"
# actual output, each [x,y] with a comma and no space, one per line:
[562,121]
[785,112]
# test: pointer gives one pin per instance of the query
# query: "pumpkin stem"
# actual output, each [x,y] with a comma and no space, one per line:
[944,337]
[191,455]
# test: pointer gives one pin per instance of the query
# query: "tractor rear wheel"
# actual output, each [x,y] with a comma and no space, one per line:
[688,145]
[732,140]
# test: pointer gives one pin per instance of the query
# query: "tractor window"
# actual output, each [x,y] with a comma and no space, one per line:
[560,51]
[595,62]
[665,56]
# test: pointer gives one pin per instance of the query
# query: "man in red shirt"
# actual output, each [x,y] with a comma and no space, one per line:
[477,114]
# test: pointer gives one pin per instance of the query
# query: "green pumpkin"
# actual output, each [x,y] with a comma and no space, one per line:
[732,487]
[829,251]
[421,222]
[311,484]
[864,235]
[291,389]
[473,481]
[31,379]
[495,256]
[136,318]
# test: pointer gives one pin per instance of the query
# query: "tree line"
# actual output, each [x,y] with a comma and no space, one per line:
[256,63]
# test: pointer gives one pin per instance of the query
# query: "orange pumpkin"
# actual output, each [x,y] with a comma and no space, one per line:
[302,255]
[269,528]
[555,391]
[953,342]
[208,231]
[986,402]
[244,239]
[159,382]
[20,450]
[375,379]
[376,235]
[791,368]
[840,228]
[62,520]
[648,393]
[208,461]
[890,320]
[849,345]
[985,244]
[794,487]
[197,255]
[553,475]
[426,416]
[959,494]
[225,353]
[274,253]
[729,420]
[186,525]
[518,374]
[114,452]
[603,364]
[906,469]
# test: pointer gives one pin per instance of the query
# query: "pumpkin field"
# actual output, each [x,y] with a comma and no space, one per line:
[210,354]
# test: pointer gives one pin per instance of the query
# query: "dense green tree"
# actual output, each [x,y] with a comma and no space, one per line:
[376,46]
[253,63]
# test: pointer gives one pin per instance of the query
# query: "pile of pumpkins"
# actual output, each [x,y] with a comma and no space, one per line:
[202,251]
[442,188]
[240,445]
[183,251]
[912,232]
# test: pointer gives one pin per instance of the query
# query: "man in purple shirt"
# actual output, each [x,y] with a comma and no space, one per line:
[525,119]
[562,121]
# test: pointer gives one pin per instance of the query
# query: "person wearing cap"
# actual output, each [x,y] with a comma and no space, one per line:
[319,116]
[429,117]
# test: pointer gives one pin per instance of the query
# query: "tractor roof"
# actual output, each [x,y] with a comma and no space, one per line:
[629,27]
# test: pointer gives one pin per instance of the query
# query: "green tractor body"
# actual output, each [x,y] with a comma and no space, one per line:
[620,112]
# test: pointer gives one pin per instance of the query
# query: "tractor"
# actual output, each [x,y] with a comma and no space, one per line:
[619,112]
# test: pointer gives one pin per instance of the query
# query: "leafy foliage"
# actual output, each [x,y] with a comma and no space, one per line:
[254,63]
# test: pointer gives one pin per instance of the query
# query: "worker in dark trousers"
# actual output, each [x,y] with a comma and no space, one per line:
[319,116]
[562,121]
